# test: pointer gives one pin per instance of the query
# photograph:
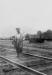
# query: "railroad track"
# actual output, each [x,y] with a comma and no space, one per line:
[41,51]
[37,56]
[40,56]
[31,69]
[27,47]
[42,61]
[30,45]
[32,63]
[22,66]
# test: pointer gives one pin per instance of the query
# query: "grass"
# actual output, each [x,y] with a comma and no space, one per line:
[47,45]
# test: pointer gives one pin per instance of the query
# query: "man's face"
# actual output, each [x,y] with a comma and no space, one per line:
[18,31]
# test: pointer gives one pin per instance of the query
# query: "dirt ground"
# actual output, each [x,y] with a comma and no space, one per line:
[5,67]
[8,69]
[19,71]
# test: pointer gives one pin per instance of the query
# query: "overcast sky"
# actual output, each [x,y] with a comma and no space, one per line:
[29,15]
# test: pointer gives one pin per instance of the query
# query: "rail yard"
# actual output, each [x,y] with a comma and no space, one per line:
[33,61]
[25,37]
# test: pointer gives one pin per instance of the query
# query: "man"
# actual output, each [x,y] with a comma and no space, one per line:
[18,42]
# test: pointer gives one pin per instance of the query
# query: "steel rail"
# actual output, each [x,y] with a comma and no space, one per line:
[23,66]
[30,48]
[39,56]
[37,49]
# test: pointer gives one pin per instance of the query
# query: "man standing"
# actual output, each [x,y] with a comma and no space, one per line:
[18,42]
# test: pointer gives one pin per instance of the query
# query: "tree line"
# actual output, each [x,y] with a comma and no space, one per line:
[40,36]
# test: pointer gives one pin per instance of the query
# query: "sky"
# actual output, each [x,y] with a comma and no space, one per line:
[29,15]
